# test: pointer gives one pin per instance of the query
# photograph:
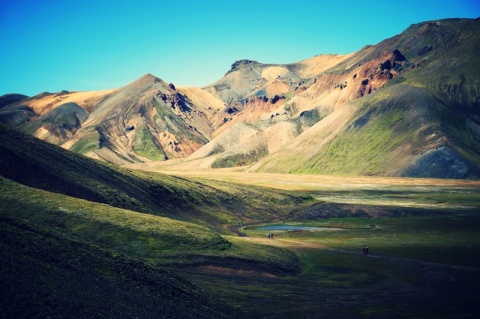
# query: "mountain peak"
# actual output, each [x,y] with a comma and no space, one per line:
[147,80]
[148,76]
[240,64]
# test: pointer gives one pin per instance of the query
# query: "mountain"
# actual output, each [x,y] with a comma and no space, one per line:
[407,106]
[145,120]
[423,122]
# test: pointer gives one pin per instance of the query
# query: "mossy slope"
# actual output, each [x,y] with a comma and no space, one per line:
[47,274]
[38,164]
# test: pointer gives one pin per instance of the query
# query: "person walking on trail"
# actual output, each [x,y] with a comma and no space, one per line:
[271,235]
[366,250]
[268,234]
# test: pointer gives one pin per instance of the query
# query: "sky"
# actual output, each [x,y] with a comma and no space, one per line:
[48,45]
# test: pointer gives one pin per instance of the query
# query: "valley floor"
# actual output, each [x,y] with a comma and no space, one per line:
[342,283]
[424,259]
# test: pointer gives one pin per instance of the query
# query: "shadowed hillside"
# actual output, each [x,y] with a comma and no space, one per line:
[8,99]
[32,162]
[69,246]
[45,274]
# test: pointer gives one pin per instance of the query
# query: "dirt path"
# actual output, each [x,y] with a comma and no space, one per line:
[291,243]
[234,229]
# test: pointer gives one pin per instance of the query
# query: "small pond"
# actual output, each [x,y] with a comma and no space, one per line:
[290,227]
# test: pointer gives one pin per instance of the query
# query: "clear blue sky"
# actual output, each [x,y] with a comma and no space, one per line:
[48,45]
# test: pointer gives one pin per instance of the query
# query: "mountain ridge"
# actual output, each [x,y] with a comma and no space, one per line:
[255,113]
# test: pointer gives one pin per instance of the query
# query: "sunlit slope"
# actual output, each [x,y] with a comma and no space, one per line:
[422,123]
[390,133]
[145,120]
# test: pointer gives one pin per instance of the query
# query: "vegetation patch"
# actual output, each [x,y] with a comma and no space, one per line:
[87,144]
[241,159]
[145,145]
[49,274]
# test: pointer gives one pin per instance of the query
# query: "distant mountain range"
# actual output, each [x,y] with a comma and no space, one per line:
[407,106]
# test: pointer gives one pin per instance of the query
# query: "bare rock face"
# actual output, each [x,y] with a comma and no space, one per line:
[393,64]
[176,101]
[238,65]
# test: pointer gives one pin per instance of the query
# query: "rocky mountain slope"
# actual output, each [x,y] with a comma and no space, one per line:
[145,120]
[407,106]
[422,122]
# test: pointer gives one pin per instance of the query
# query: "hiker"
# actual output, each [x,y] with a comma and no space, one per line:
[271,234]
[268,234]
[366,250]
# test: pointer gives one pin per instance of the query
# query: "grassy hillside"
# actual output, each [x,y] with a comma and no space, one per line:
[389,132]
[158,240]
[383,124]
[127,211]
[64,256]
[47,274]
[38,164]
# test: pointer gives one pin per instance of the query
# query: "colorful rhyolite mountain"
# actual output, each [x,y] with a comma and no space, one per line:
[407,106]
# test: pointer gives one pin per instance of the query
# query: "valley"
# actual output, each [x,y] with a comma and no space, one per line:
[148,200]
[422,235]
[423,258]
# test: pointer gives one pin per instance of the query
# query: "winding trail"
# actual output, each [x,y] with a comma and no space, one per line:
[234,229]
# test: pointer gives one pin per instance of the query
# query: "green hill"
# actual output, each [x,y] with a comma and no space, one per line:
[47,274]
[32,162]
[83,238]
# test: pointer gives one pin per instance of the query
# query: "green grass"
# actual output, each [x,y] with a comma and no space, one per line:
[384,122]
[138,235]
[141,223]
[240,159]
[158,240]
[49,274]
[145,145]
[87,144]
[338,281]
[450,238]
